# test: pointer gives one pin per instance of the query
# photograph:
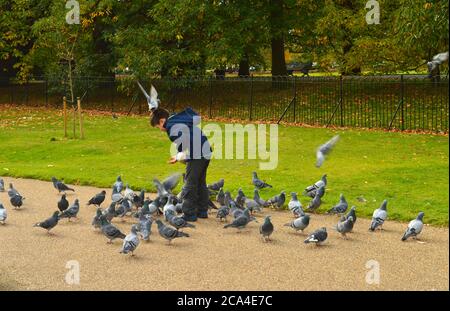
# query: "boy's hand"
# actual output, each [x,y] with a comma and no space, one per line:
[173,160]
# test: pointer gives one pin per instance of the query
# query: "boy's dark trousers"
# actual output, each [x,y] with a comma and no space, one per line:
[195,192]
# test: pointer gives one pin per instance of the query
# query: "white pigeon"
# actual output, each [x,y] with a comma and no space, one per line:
[3,214]
[325,149]
[131,241]
[152,100]
[415,226]
[169,206]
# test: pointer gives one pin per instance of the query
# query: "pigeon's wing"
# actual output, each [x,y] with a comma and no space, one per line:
[154,101]
[143,91]
[169,232]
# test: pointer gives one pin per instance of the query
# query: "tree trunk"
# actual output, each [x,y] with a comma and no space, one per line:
[277,28]
[278,60]
[244,66]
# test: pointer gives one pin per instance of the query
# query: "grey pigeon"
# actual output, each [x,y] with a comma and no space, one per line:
[258,183]
[72,211]
[63,204]
[339,208]
[98,199]
[145,226]
[116,196]
[317,237]
[266,229]
[177,222]
[241,221]
[258,199]
[310,191]
[128,193]
[220,198]
[152,99]
[295,206]
[131,241]
[278,200]
[171,182]
[138,200]
[315,203]
[252,205]
[228,200]
[97,220]
[415,227]
[110,231]
[2,185]
[223,212]
[236,212]
[118,185]
[169,233]
[169,206]
[325,150]
[16,201]
[299,223]
[110,212]
[11,191]
[3,214]
[240,198]
[49,223]
[345,225]
[379,216]
[124,208]
[216,186]
[352,213]
[60,186]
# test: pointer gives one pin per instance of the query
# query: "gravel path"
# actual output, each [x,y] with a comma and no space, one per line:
[212,258]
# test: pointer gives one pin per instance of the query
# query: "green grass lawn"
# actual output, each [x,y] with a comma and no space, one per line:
[409,170]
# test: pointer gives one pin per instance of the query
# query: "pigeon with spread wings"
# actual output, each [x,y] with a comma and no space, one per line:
[152,99]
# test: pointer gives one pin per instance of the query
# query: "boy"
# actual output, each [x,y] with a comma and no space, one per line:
[194,149]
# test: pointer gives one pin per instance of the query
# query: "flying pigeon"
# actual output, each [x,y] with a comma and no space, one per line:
[162,192]
[295,206]
[16,201]
[169,233]
[220,198]
[171,182]
[345,225]
[266,229]
[49,223]
[116,196]
[60,186]
[339,208]
[63,204]
[258,183]
[2,185]
[131,241]
[216,186]
[152,100]
[177,222]
[3,214]
[118,185]
[379,216]
[299,223]
[278,200]
[315,203]
[98,199]
[72,211]
[317,237]
[110,231]
[145,226]
[223,212]
[97,220]
[415,227]
[311,191]
[435,62]
[325,150]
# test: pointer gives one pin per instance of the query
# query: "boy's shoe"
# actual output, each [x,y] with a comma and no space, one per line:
[202,214]
[190,218]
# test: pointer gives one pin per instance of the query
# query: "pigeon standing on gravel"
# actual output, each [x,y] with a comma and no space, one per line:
[118,185]
[339,208]
[16,201]
[228,200]
[415,227]
[299,223]
[278,200]
[240,198]
[131,241]
[2,185]
[220,198]
[169,233]
[177,222]
[222,213]
[352,213]
[240,221]
[295,206]
[97,221]
[72,211]
[258,183]
[116,196]
[315,203]
[311,191]
[345,225]
[216,186]
[266,229]
[110,231]
[3,214]
[110,212]
[12,191]
[324,150]
[145,226]
[379,216]
[49,223]
[317,237]
[60,186]
[63,204]
[98,199]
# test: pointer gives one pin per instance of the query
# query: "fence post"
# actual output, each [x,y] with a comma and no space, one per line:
[251,97]
[65,115]
[295,97]
[27,91]
[113,91]
[341,99]
[46,92]
[80,118]
[402,97]
[210,97]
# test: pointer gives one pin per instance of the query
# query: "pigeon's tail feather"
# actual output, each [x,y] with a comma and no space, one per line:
[227,226]
[69,189]
[121,236]
[182,234]
[188,225]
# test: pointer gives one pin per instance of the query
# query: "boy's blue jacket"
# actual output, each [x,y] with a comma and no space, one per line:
[177,126]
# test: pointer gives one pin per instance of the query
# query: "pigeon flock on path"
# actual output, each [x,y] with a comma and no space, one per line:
[166,209]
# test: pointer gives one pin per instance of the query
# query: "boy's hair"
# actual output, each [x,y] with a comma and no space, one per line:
[157,115]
